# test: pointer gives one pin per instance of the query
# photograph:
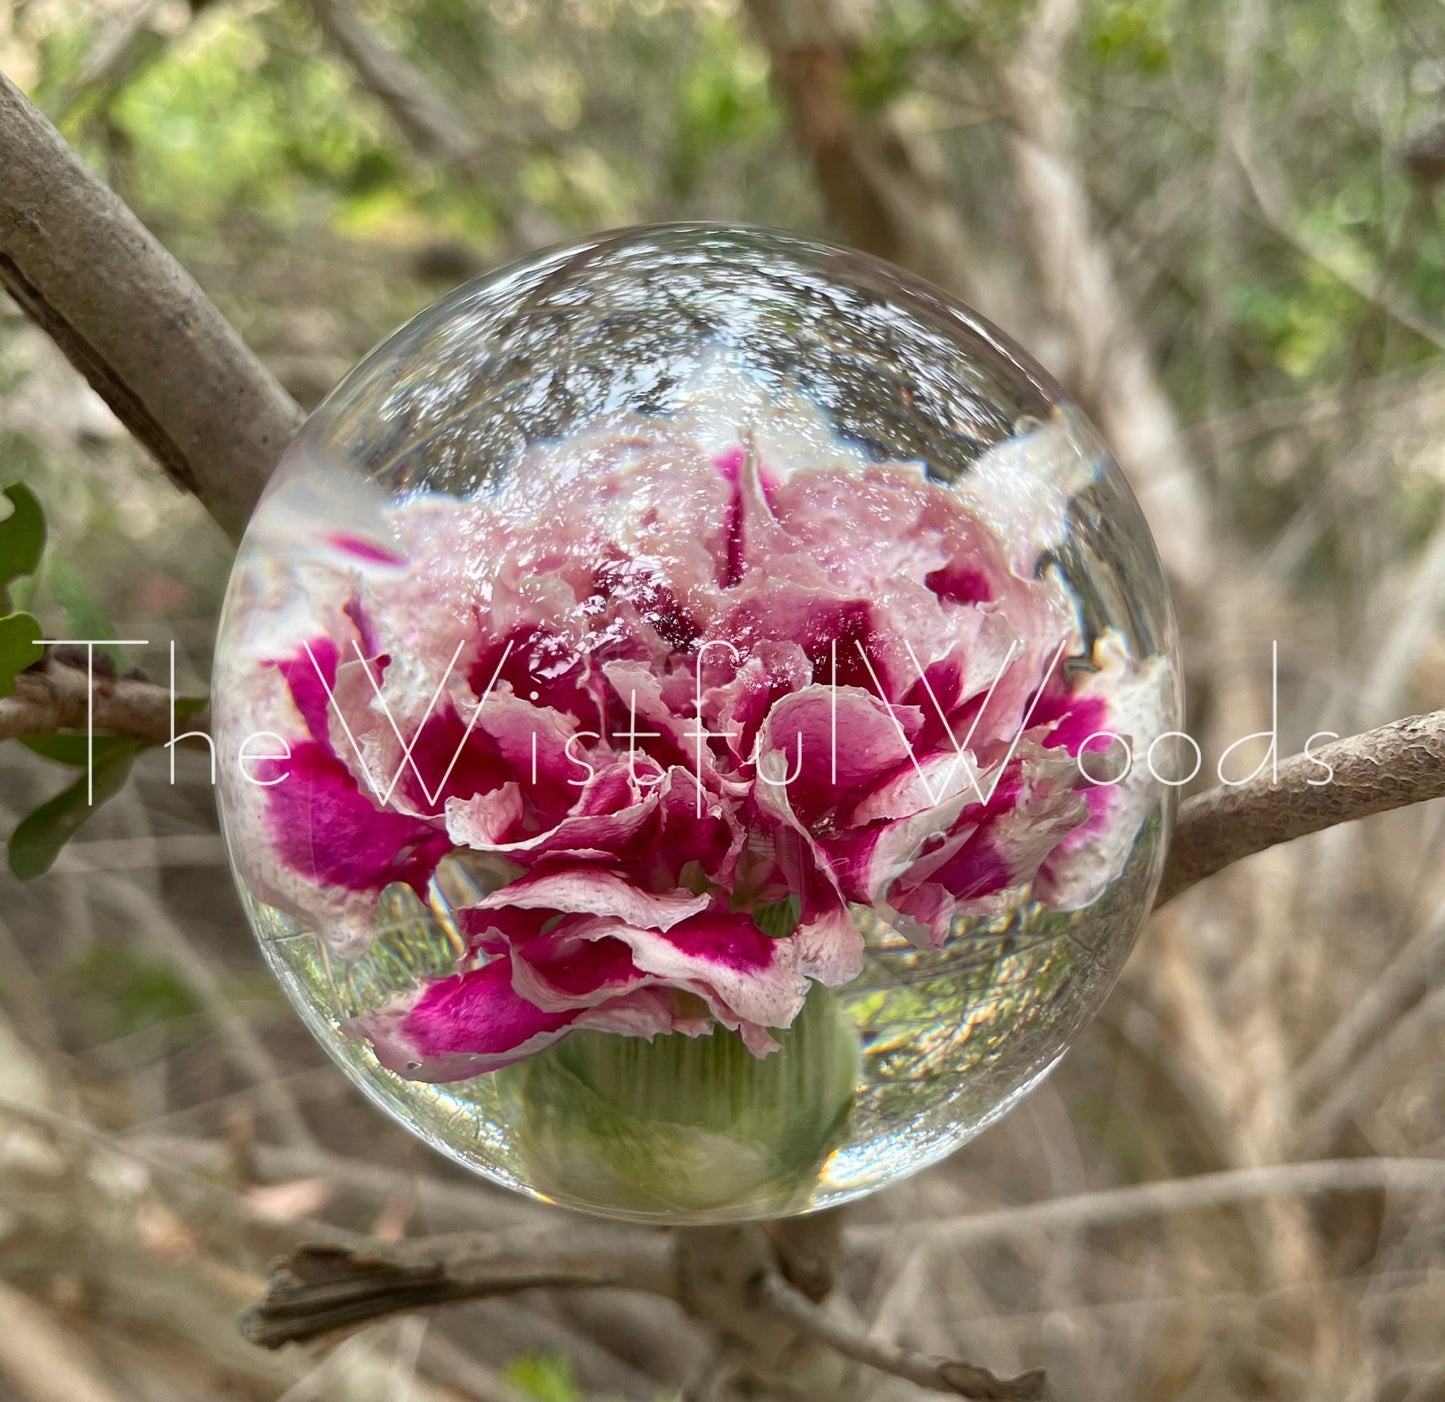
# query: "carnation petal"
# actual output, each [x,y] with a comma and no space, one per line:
[462,1026]
[600,893]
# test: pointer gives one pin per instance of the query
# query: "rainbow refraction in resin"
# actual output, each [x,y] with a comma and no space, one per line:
[673,705]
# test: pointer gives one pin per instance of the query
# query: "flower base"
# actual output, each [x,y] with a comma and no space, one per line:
[682,1126]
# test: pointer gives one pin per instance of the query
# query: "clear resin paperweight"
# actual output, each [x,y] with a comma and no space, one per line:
[685,707]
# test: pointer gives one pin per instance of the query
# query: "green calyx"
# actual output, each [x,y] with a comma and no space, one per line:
[686,1127]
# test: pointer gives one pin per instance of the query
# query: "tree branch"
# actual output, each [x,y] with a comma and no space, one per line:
[134,322]
[323,1288]
[1112,369]
[1392,767]
[727,1277]
[427,122]
[877,182]
[941,1374]
[55,696]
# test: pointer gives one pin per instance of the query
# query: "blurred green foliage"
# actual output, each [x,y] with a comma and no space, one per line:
[885,65]
[1133,34]
[120,991]
[263,155]
[544,1377]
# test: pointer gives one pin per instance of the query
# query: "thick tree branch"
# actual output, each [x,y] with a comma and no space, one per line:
[133,321]
[54,696]
[1392,767]
[877,183]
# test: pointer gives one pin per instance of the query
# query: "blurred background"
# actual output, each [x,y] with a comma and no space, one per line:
[1221,223]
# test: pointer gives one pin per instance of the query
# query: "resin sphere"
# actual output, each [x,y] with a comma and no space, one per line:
[685,706]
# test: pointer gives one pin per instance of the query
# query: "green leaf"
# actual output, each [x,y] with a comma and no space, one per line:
[22,535]
[39,836]
[18,647]
[70,749]
[86,617]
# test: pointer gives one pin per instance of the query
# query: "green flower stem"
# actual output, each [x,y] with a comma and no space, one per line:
[687,1127]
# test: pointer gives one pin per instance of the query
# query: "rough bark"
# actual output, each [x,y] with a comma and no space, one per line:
[55,696]
[1392,767]
[134,322]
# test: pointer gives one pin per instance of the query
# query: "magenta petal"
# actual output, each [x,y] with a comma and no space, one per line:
[826,742]
[485,820]
[644,1012]
[574,967]
[727,958]
[611,816]
[698,826]
[583,891]
[323,827]
[868,862]
[533,741]
[979,867]
[924,915]
[915,787]
[310,678]
[830,949]
[462,1026]
[1135,697]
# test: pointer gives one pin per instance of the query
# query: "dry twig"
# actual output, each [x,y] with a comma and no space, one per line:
[1391,767]
[940,1374]
[1133,1201]
[323,1288]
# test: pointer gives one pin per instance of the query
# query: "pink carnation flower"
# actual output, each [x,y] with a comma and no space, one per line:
[688,699]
